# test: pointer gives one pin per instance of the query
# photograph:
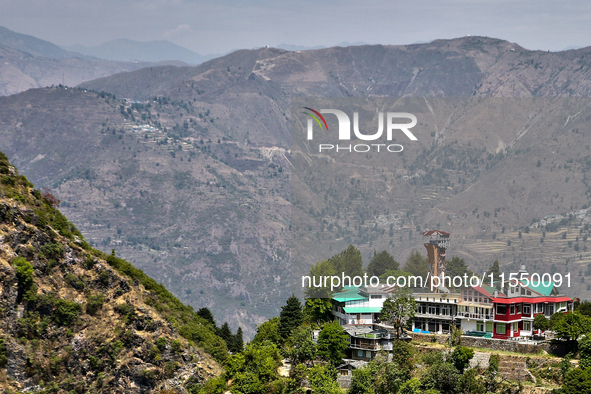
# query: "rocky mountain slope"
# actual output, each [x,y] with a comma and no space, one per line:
[191,182]
[77,320]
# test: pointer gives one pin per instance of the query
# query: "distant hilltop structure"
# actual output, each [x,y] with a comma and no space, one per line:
[436,247]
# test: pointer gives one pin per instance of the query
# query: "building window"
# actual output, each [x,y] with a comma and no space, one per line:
[501,309]
[515,327]
[359,353]
[489,326]
[480,326]
[376,297]
[539,308]
[526,309]
[518,308]
[501,329]
[526,326]
[368,354]
[512,309]
[549,309]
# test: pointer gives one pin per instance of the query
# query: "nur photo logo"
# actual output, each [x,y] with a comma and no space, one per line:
[394,122]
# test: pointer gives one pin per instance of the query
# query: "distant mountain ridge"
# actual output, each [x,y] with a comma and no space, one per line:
[29,62]
[33,45]
[126,50]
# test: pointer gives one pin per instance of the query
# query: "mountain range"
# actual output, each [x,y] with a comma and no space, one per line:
[125,50]
[28,62]
[191,177]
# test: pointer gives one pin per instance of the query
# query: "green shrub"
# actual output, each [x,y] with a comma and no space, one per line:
[3,353]
[94,303]
[493,363]
[161,343]
[104,277]
[89,262]
[155,354]
[45,304]
[66,312]
[212,386]
[42,221]
[53,250]
[74,281]
[24,274]
[150,375]
[169,368]
[7,180]
[175,346]
[461,357]
[125,309]
[95,363]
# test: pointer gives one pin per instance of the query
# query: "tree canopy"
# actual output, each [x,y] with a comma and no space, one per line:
[268,331]
[332,343]
[291,316]
[380,263]
[572,326]
[495,270]
[320,269]
[541,323]
[318,310]
[457,267]
[349,261]
[300,346]
[461,357]
[399,310]
[207,315]
[417,264]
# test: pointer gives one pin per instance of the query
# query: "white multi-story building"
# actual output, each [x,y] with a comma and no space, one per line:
[363,306]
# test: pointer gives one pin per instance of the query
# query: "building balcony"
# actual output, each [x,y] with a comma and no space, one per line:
[478,316]
[365,346]
[434,316]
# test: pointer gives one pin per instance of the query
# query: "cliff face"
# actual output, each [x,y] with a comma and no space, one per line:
[75,319]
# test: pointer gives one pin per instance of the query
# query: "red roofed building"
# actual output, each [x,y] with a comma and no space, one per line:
[509,313]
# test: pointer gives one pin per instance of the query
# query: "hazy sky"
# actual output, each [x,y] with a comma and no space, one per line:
[222,25]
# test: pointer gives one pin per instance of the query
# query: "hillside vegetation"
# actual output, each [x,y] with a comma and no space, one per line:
[77,320]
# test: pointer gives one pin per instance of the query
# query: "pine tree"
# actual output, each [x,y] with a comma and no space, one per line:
[226,334]
[380,263]
[238,341]
[207,315]
[291,316]
[496,271]
[417,264]
[457,267]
